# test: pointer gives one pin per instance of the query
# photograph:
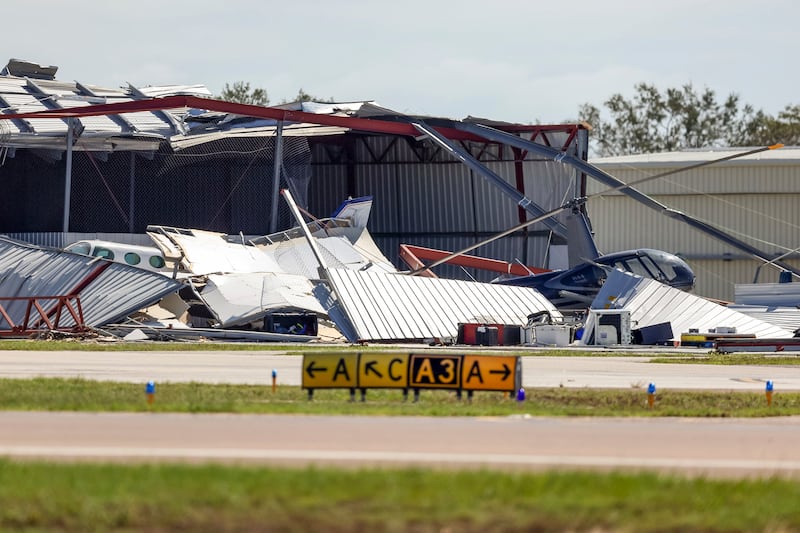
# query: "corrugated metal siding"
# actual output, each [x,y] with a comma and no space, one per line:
[444,205]
[433,199]
[494,211]
[770,294]
[771,221]
[716,279]
[380,182]
[771,171]
[398,307]
[438,199]
[327,188]
[721,179]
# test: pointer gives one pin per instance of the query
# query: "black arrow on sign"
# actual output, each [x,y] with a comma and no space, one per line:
[506,372]
[311,369]
[370,367]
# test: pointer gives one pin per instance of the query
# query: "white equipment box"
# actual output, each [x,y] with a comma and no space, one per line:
[611,326]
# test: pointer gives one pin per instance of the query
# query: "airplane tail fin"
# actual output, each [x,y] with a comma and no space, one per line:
[580,240]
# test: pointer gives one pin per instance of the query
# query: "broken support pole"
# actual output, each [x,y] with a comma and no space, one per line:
[323,266]
[276,177]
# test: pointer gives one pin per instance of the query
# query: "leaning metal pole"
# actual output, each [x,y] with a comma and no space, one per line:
[276,177]
[323,266]
[68,175]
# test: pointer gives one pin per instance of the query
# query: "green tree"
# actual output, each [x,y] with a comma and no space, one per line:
[241,93]
[303,96]
[678,118]
[765,129]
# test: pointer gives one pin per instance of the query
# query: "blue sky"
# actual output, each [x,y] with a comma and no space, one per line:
[520,61]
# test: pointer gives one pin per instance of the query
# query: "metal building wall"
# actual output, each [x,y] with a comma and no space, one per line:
[424,197]
[757,202]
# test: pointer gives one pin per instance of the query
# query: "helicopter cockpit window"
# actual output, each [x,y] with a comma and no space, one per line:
[654,269]
[632,265]
[636,266]
[663,264]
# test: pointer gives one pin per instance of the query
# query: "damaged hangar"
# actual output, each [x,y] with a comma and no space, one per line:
[112,175]
[81,161]
[200,175]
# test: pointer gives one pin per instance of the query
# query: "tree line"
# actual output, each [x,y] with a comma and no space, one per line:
[650,121]
[241,93]
[684,118]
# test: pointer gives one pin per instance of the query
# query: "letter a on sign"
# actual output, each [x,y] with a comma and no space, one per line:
[474,372]
[341,369]
[329,371]
[492,372]
[425,373]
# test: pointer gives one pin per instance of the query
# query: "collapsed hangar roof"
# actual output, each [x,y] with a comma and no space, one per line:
[27,87]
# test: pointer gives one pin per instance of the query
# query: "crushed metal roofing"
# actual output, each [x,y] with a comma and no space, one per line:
[776,303]
[238,299]
[395,307]
[22,94]
[108,291]
[295,255]
[204,252]
[786,318]
[26,88]
[651,303]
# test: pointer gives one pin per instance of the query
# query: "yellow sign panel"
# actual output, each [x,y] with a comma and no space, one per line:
[490,372]
[330,371]
[435,371]
[383,370]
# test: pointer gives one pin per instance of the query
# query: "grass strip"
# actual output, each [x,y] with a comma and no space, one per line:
[77,394]
[765,359]
[36,496]
[96,345]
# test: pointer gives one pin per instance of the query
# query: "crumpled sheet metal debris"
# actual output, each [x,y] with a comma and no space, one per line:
[108,291]
[395,307]
[651,303]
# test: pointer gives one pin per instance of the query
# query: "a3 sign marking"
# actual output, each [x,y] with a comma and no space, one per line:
[415,371]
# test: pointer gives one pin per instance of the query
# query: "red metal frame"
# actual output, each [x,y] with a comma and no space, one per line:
[361,124]
[413,255]
[36,316]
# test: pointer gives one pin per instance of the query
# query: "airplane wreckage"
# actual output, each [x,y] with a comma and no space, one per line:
[327,280]
[327,274]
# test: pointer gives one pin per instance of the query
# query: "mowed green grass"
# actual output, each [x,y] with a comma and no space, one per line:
[77,394]
[38,496]
[43,497]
